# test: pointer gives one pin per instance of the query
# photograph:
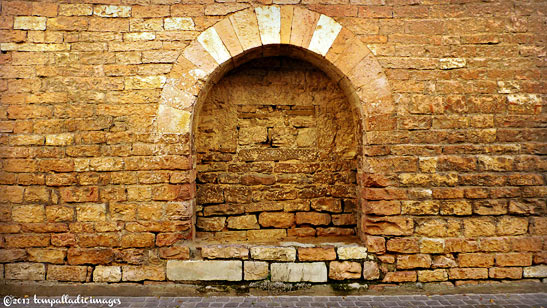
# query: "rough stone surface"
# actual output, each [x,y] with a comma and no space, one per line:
[25,271]
[344,270]
[204,270]
[352,252]
[539,271]
[274,253]
[255,270]
[298,272]
[107,273]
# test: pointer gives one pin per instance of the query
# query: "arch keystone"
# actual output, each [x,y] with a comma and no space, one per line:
[246,28]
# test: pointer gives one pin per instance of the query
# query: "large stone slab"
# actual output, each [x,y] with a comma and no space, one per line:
[297,272]
[204,270]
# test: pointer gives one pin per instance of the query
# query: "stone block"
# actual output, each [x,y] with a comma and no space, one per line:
[25,271]
[400,276]
[344,270]
[276,220]
[67,273]
[143,272]
[299,272]
[539,271]
[255,270]
[245,222]
[107,273]
[29,23]
[327,205]
[312,218]
[514,259]
[77,256]
[175,252]
[475,260]
[468,273]
[352,253]
[370,270]
[204,270]
[112,11]
[287,254]
[432,275]
[413,261]
[316,254]
[47,255]
[505,272]
[178,23]
[224,252]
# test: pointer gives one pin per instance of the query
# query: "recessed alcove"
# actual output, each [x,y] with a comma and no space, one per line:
[277,148]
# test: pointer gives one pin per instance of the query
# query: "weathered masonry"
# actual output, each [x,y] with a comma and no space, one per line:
[383,141]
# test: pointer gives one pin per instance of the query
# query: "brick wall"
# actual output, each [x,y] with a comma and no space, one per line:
[97,173]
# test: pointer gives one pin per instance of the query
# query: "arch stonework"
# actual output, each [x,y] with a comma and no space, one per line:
[271,31]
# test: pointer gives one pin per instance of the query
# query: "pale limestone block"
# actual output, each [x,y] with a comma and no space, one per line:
[269,24]
[255,270]
[179,23]
[539,271]
[107,274]
[324,35]
[204,270]
[297,272]
[210,40]
[352,253]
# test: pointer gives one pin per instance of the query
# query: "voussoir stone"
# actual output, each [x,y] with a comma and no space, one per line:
[274,253]
[297,272]
[204,270]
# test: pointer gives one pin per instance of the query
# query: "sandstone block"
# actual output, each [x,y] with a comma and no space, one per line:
[175,252]
[474,227]
[266,235]
[25,271]
[432,275]
[255,270]
[46,255]
[75,9]
[112,11]
[443,261]
[287,254]
[376,244]
[514,259]
[276,220]
[29,23]
[178,23]
[77,256]
[394,225]
[475,260]
[413,261]
[327,205]
[312,218]
[452,63]
[204,270]
[28,213]
[211,223]
[344,270]
[400,276]
[138,240]
[67,273]
[404,245]
[429,245]
[107,273]
[298,272]
[428,207]
[10,255]
[91,212]
[505,272]
[224,252]
[316,254]
[142,272]
[370,270]
[468,273]
[352,253]
[244,222]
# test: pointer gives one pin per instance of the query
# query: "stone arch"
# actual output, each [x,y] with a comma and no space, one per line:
[274,30]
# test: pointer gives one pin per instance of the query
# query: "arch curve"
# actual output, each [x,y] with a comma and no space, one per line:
[265,31]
